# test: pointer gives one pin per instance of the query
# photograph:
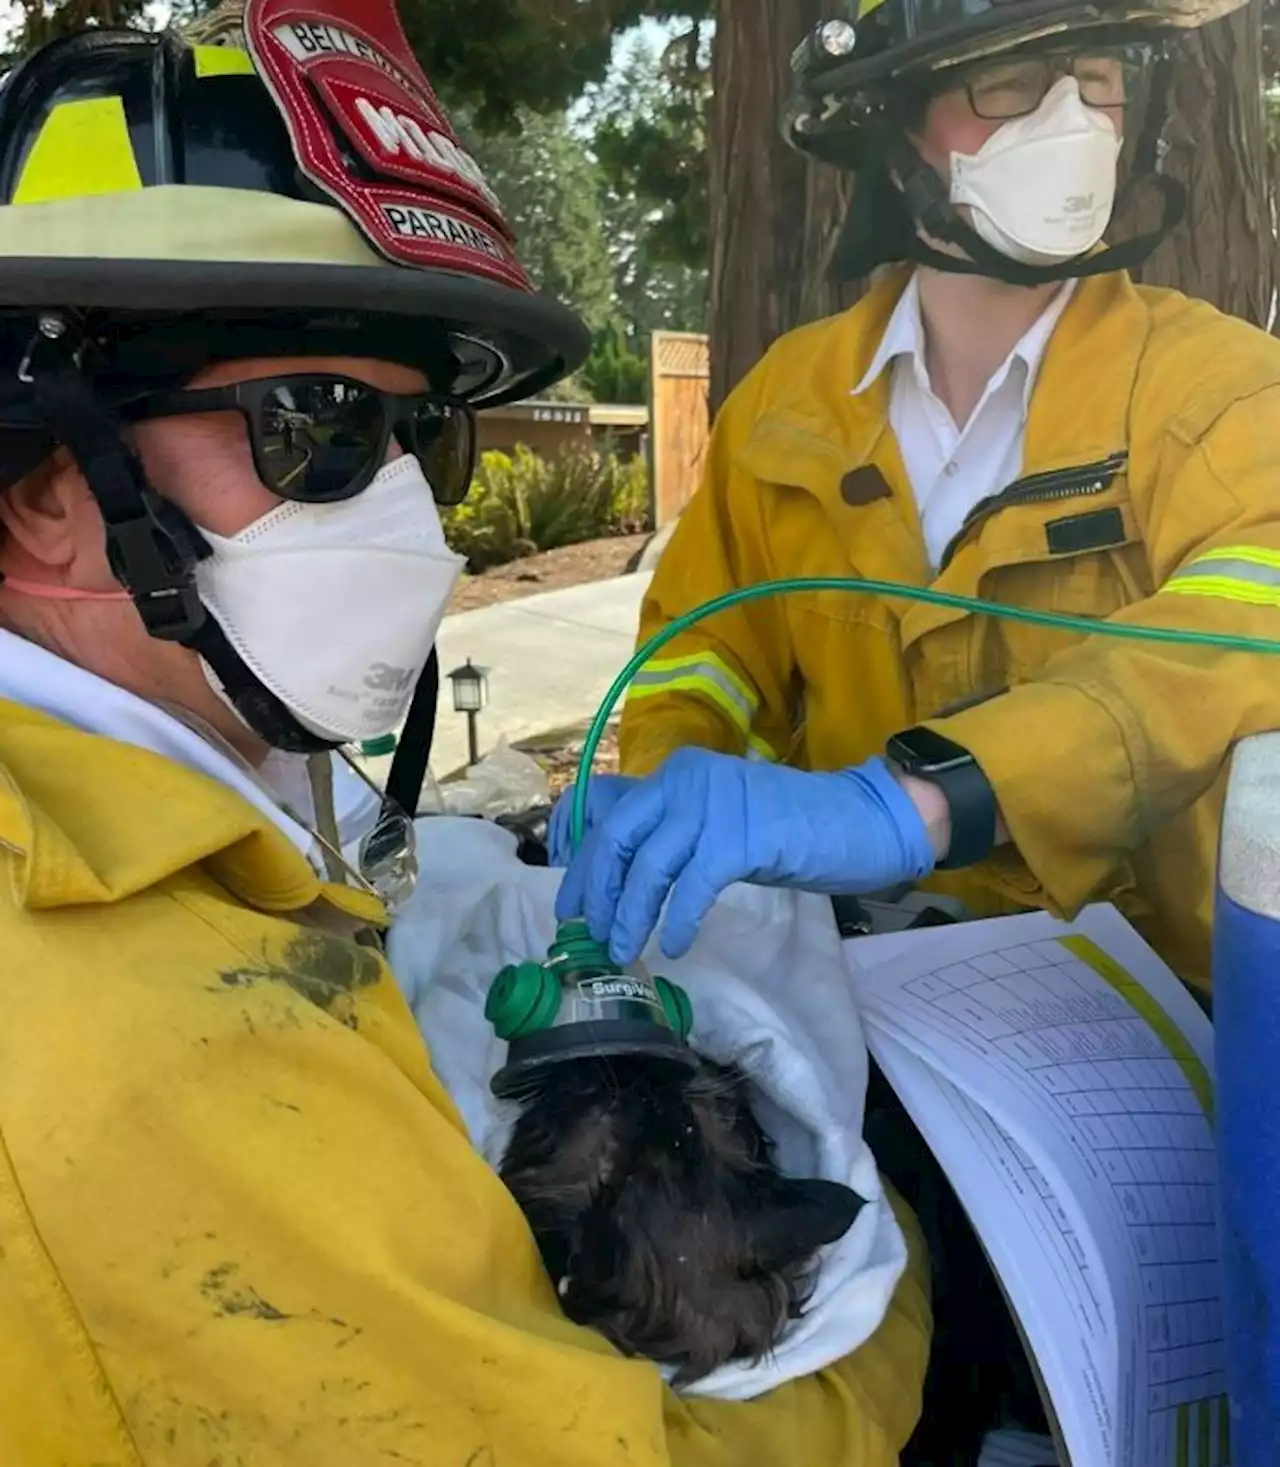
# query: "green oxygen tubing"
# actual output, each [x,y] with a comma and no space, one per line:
[790,585]
[576,1001]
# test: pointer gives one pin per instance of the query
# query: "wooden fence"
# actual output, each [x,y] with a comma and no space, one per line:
[680,420]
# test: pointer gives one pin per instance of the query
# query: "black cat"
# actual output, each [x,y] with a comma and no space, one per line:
[659,1212]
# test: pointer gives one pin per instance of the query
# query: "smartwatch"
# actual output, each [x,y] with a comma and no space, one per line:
[926,754]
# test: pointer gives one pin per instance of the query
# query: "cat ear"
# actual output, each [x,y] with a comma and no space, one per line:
[801,1217]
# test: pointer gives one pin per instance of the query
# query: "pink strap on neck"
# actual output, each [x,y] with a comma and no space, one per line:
[42,592]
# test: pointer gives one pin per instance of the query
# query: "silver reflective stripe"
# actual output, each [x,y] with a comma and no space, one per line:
[720,686]
[1230,570]
[1249,860]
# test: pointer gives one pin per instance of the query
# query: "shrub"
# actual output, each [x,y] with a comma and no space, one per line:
[614,372]
[630,509]
[522,504]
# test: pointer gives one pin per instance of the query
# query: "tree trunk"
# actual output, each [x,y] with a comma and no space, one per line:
[1225,250]
[775,218]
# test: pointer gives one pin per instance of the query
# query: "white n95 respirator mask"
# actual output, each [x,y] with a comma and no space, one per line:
[1041,188]
[335,607]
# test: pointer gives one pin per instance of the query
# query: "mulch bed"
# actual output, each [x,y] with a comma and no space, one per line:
[571,565]
[559,752]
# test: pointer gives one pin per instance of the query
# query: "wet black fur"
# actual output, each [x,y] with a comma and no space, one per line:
[660,1214]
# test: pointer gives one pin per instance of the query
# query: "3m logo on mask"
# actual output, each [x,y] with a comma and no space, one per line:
[382,678]
[1079,204]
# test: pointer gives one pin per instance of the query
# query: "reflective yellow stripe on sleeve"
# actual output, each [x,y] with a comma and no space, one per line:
[705,676]
[1231,573]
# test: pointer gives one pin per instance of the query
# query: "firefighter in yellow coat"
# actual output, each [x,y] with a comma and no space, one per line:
[1003,416]
[249,301]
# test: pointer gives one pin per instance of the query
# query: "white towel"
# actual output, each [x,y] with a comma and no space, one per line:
[770,994]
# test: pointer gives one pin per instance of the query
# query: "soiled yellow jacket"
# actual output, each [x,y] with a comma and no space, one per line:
[1150,496]
[240,1221]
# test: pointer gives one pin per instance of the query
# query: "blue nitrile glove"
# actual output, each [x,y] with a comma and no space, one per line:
[603,793]
[704,821]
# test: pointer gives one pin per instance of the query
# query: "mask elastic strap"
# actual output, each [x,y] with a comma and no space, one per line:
[413,751]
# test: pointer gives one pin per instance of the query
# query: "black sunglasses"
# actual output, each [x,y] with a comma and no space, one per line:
[319,437]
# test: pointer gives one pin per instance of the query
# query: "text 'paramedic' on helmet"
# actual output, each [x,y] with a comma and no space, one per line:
[166,203]
[863,76]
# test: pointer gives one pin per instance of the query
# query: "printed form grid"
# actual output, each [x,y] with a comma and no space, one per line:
[1132,1108]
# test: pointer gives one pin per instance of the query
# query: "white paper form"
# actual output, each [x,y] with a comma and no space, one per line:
[1084,1076]
[1063,1306]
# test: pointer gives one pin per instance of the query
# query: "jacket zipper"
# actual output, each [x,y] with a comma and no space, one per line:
[1037,488]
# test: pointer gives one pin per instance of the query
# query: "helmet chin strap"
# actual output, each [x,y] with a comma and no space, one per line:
[152,546]
[928,202]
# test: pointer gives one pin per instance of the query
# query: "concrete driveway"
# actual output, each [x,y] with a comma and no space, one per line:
[550,660]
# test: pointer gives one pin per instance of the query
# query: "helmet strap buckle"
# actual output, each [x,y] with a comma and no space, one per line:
[927,202]
[152,547]
[151,564]
[49,344]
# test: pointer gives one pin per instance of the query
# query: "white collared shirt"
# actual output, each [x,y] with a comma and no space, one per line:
[953,468]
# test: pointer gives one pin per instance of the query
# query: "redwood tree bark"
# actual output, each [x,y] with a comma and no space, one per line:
[775,218]
[1225,250]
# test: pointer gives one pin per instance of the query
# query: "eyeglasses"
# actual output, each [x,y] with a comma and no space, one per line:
[318,437]
[1016,86]
[387,856]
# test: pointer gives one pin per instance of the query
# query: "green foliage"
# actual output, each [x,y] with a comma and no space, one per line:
[550,191]
[649,132]
[612,209]
[631,511]
[651,140]
[507,54]
[614,372]
[522,504]
[569,389]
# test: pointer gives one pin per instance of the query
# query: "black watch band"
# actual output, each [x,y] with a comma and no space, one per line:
[925,754]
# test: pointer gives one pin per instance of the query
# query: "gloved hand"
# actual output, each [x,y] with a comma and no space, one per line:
[704,821]
[603,793]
